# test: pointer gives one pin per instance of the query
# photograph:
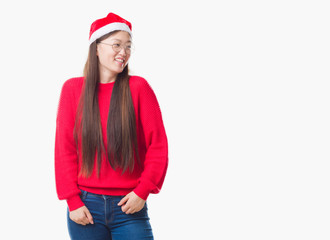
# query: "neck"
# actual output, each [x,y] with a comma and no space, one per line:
[107,77]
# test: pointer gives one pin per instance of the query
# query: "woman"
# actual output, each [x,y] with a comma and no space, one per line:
[111,147]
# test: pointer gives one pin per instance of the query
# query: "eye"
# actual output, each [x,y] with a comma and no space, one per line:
[116,45]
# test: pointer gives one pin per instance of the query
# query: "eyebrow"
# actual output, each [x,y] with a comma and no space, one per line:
[116,39]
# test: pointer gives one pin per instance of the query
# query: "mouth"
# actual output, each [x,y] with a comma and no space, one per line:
[120,61]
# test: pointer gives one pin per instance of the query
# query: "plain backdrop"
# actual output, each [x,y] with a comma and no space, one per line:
[244,91]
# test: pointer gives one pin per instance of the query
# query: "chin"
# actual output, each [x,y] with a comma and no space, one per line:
[120,71]
[117,70]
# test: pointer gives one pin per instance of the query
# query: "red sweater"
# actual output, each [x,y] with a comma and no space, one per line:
[152,143]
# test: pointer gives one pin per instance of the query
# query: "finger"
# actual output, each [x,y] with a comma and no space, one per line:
[123,200]
[78,220]
[89,216]
[84,221]
[125,208]
[129,211]
[81,222]
[132,212]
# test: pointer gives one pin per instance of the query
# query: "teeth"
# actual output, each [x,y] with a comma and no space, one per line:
[120,60]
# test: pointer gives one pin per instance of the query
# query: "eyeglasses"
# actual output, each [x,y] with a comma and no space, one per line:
[118,47]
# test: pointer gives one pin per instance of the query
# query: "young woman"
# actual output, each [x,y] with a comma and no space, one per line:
[111,148]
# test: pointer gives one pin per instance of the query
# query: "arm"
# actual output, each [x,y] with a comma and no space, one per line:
[156,159]
[66,158]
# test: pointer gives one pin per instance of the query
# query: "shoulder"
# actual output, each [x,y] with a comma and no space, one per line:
[72,86]
[138,83]
[73,83]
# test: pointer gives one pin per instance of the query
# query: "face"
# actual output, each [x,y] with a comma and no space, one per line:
[110,61]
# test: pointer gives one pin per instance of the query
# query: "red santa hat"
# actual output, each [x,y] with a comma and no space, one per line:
[110,23]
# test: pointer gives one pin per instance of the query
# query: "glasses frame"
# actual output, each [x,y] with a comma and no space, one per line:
[121,47]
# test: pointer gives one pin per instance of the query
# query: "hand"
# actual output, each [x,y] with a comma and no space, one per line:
[131,203]
[81,216]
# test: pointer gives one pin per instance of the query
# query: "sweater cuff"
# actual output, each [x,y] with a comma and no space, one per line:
[74,202]
[141,192]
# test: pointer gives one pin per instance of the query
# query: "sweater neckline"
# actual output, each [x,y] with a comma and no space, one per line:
[105,86]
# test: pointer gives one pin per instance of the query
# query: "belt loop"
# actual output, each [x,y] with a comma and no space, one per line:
[84,193]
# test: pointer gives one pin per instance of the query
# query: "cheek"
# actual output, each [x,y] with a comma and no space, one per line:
[105,58]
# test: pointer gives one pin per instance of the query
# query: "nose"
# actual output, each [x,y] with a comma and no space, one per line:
[122,51]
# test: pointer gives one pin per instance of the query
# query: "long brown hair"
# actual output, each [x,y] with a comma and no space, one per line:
[121,125]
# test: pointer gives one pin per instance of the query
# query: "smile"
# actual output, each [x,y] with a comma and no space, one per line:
[119,60]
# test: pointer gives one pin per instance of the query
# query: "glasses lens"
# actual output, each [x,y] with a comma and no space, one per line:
[129,48]
[116,47]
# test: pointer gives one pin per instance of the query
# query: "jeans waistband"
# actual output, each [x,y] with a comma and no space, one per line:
[85,194]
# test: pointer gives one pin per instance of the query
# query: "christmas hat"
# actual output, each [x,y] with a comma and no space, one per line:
[110,23]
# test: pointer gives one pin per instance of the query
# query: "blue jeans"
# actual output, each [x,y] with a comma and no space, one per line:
[110,222]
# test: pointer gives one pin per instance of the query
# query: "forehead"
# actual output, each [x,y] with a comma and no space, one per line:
[120,36]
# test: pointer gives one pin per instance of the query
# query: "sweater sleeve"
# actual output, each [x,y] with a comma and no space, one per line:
[156,159]
[66,157]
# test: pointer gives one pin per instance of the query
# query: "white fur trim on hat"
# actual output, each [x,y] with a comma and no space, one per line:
[109,28]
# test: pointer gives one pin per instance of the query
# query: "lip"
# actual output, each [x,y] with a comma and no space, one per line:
[121,64]
[119,58]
